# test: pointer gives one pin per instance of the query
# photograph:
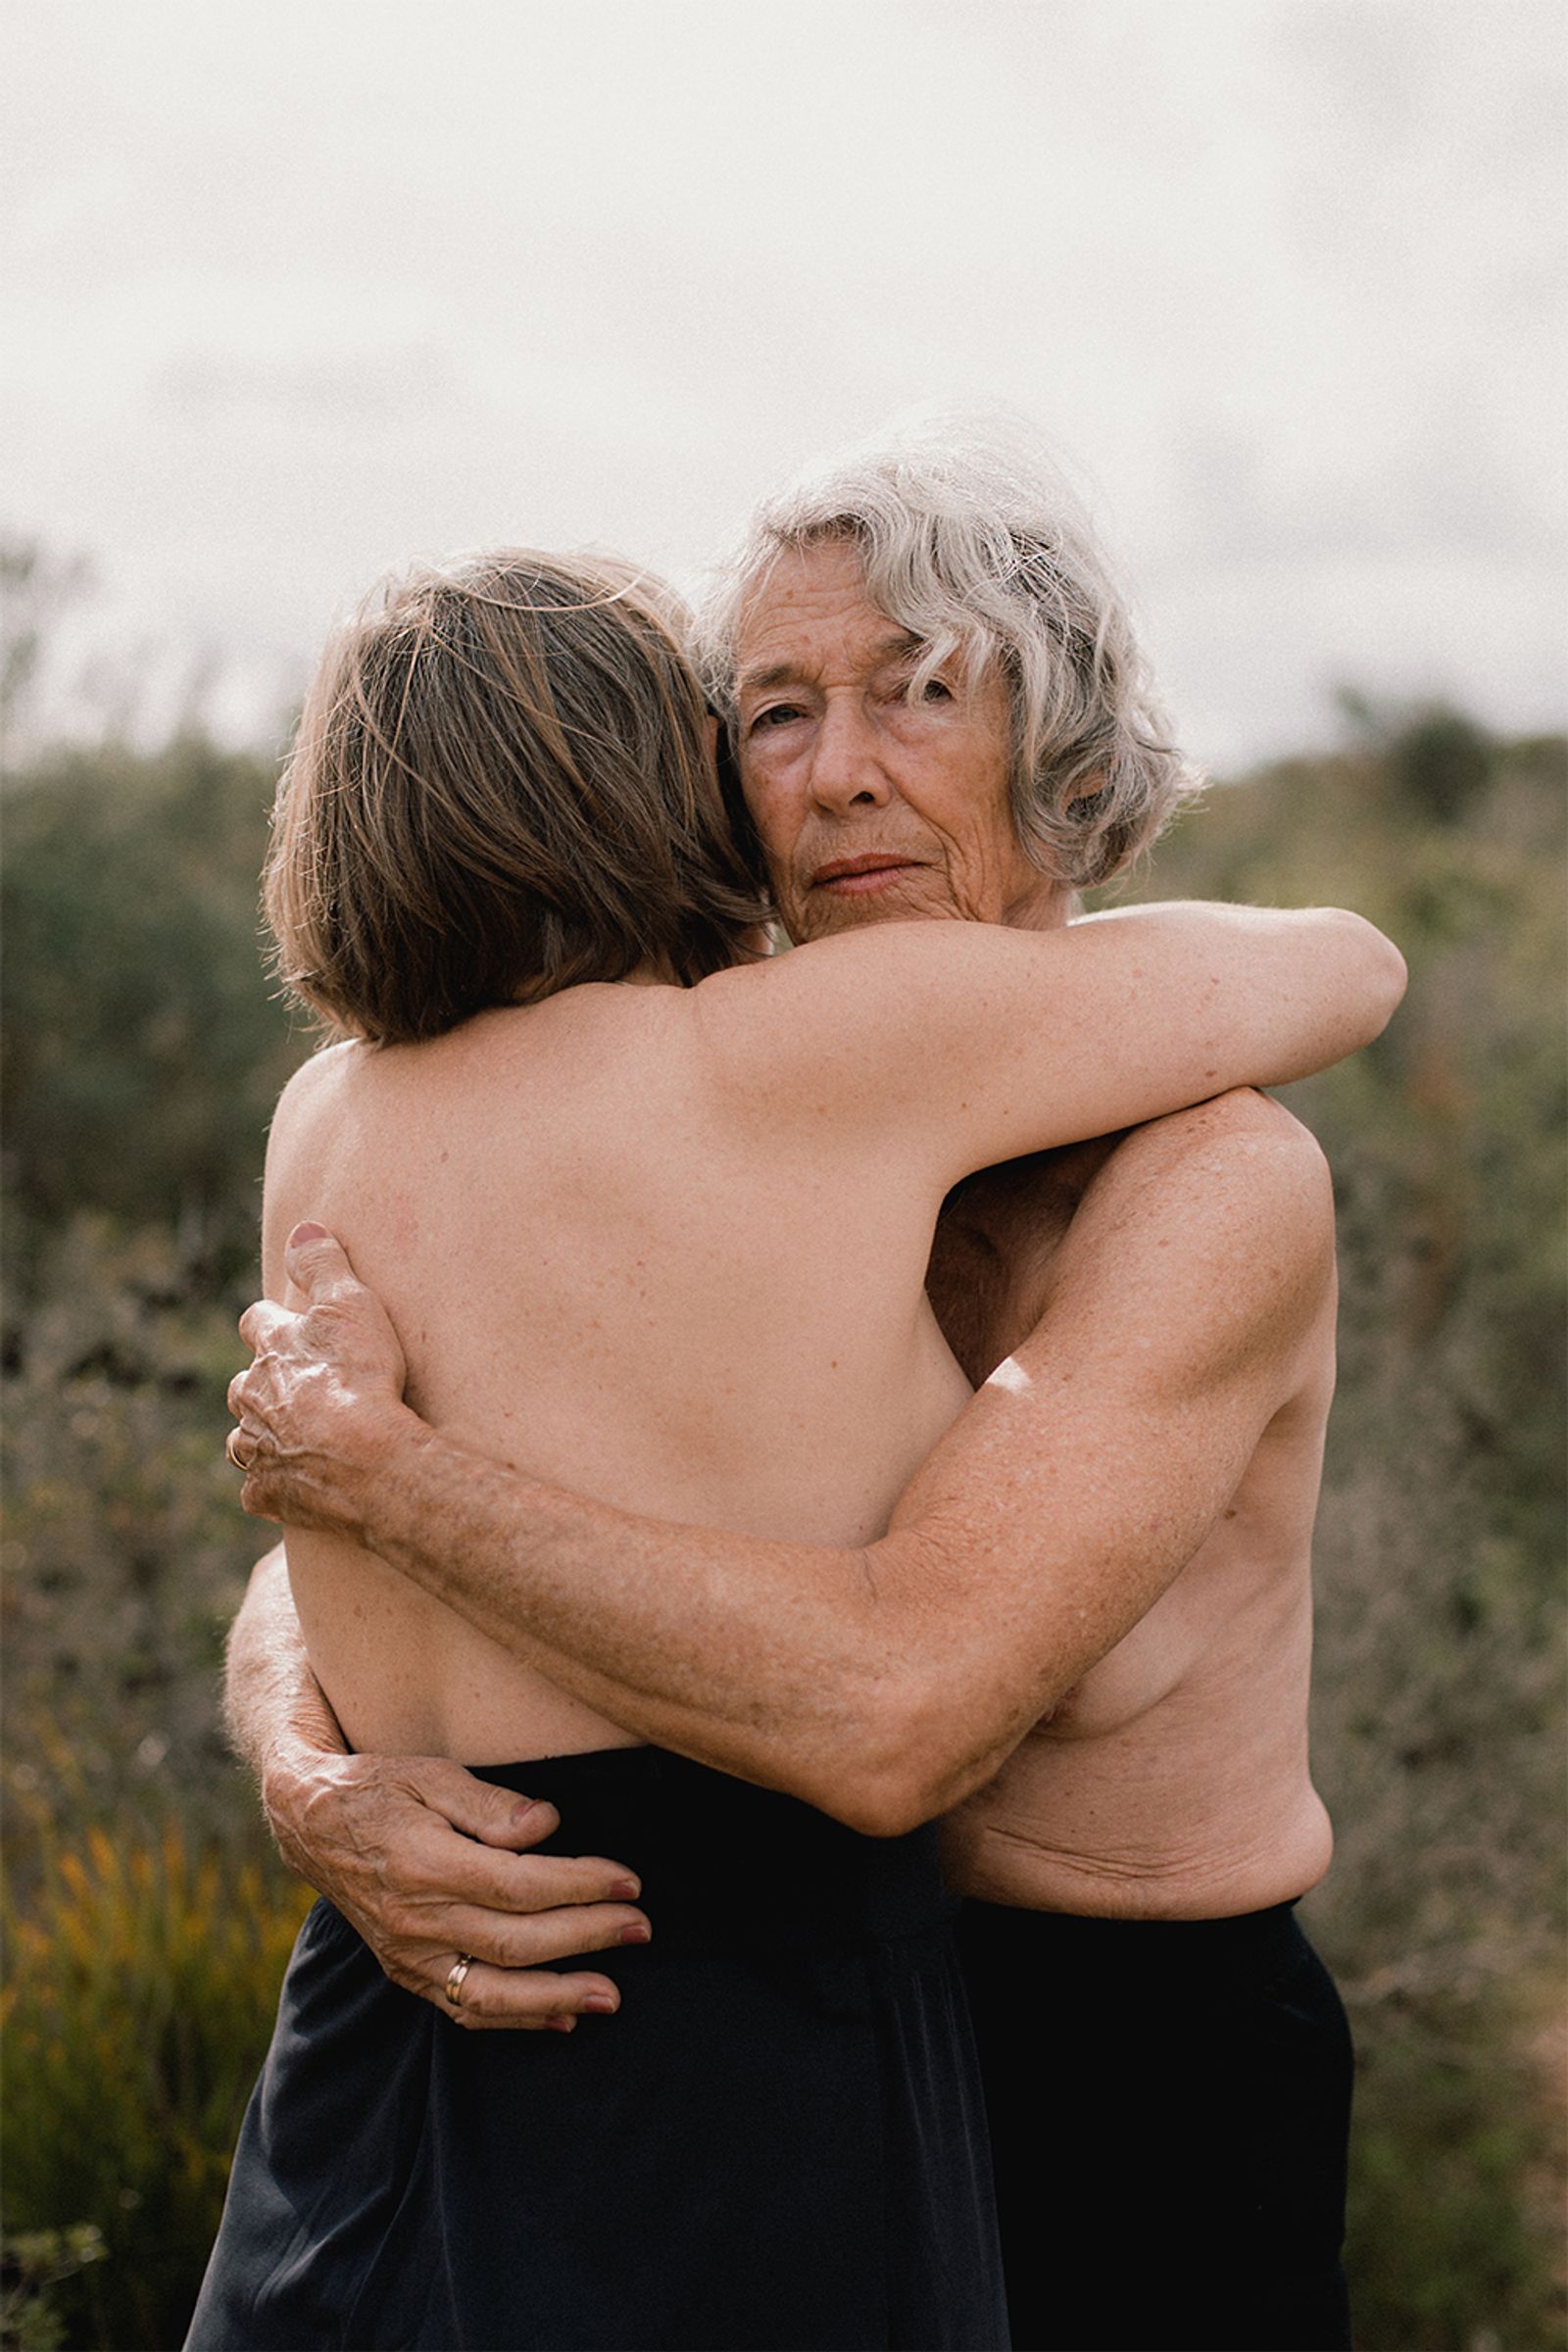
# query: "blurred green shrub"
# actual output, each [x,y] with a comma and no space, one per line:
[142,1982]
[143,1054]
[32,2263]
[143,1057]
[125,1553]
[1437,1728]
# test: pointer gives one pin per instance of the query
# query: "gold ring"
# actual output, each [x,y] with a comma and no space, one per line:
[459,1969]
[234,1440]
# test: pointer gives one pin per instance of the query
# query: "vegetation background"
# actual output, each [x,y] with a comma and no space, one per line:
[148,1923]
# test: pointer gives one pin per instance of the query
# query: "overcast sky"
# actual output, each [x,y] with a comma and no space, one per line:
[296,289]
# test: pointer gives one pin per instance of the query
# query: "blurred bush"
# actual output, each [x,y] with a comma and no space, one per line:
[124,1555]
[147,1922]
[143,1055]
[142,1987]
[1438,1736]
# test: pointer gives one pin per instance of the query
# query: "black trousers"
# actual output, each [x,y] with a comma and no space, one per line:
[779,2141]
[1169,2104]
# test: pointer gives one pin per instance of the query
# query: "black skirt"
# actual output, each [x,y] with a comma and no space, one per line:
[778,2140]
[1169,2105]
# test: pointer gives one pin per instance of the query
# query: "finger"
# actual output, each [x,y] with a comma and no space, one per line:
[534,1939]
[443,1869]
[317,1263]
[262,1319]
[481,1809]
[526,1998]
[500,1818]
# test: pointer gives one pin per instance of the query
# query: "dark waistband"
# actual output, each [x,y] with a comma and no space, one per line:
[723,1862]
[1250,1944]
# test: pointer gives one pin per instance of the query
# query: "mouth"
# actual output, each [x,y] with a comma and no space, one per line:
[854,877]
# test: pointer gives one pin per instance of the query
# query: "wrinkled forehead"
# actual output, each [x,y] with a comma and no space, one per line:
[813,615]
[813,621]
[811,605]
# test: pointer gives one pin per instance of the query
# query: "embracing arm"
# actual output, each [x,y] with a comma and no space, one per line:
[965,1044]
[882,1684]
[424,1860]
[274,1710]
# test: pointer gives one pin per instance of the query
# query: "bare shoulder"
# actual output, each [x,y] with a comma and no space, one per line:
[883,958]
[1219,1222]
[304,1111]
[1237,1146]
[879,1009]
[315,1086]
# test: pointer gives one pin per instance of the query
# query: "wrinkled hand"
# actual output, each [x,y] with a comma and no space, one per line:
[428,1863]
[321,1407]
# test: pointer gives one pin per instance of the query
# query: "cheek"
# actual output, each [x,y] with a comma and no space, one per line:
[775,812]
[979,831]
[993,833]
[983,859]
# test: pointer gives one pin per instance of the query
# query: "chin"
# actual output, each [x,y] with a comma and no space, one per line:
[823,919]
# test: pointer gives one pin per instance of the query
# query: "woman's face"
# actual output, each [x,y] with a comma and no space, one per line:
[871,807]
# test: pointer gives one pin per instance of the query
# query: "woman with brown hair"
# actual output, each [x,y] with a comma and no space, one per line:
[666,1205]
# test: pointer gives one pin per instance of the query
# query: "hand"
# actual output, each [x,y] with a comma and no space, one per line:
[321,1407]
[428,1863]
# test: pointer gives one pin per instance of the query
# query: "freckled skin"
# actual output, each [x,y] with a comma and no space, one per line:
[651,1329]
[1173,1781]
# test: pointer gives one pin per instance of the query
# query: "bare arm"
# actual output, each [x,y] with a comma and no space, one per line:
[970,1042]
[882,1684]
[274,1710]
[424,1860]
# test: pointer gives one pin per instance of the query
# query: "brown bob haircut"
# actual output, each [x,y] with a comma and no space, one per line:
[502,787]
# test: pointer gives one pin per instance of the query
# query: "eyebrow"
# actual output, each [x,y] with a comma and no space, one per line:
[788,673]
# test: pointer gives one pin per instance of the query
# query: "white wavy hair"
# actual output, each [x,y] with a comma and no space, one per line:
[973,541]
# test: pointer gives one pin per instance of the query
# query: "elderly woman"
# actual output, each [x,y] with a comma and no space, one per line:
[658,1214]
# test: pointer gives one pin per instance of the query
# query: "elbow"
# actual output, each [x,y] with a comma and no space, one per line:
[1390,979]
[875,1808]
[887,1804]
[873,1787]
[911,1761]
[1382,974]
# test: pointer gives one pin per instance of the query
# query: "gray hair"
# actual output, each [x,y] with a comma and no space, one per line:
[973,541]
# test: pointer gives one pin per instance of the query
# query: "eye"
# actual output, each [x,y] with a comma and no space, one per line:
[936,690]
[777,714]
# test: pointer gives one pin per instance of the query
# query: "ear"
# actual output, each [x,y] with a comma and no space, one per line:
[1091,788]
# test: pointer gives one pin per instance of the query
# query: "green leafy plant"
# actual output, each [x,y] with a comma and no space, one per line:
[30,2264]
[142,1982]
[144,1052]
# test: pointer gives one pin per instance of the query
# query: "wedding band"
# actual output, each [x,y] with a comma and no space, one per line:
[235,1436]
[460,1968]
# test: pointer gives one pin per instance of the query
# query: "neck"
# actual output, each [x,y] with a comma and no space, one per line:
[655,973]
[1047,906]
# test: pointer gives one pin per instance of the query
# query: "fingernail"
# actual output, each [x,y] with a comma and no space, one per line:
[306,1233]
[600,2004]
[626,1889]
[638,1932]
[561,2025]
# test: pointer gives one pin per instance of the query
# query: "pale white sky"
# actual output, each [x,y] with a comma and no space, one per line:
[295,289]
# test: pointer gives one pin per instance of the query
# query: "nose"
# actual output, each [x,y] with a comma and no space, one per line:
[846,765]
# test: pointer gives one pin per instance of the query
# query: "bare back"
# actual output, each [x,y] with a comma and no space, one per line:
[578,1240]
[669,1248]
